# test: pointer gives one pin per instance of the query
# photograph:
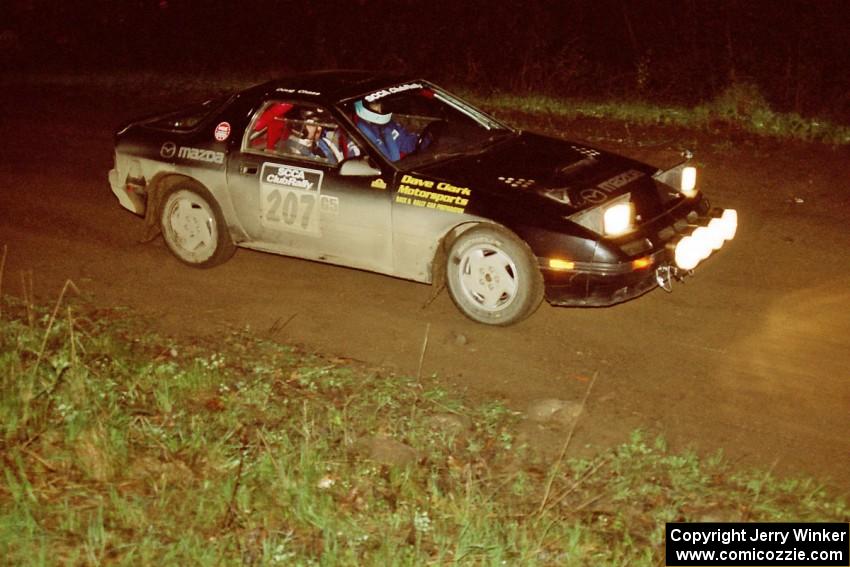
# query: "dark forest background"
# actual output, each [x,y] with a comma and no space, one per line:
[796,54]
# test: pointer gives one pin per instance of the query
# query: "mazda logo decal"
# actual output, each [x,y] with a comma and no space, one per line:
[168,150]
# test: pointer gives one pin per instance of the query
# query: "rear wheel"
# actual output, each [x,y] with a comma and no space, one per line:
[193,227]
[492,276]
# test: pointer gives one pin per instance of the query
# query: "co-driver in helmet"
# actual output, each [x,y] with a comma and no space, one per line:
[390,137]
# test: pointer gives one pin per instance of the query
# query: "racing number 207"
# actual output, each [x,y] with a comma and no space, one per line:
[290,208]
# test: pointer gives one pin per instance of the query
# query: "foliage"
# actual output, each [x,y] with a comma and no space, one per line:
[124,447]
[664,52]
[739,107]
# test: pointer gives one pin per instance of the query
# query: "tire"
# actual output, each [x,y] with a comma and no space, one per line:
[194,228]
[492,276]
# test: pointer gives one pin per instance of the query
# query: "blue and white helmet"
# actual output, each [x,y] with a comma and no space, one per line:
[369,115]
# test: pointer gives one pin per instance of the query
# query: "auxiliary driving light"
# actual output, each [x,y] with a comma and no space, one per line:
[715,234]
[730,223]
[702,236]
[693,249]
[688,253]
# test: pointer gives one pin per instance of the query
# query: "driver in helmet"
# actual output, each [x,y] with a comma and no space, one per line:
[390,137]
[315,137]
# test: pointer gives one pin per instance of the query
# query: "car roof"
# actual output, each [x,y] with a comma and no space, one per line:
[331,86]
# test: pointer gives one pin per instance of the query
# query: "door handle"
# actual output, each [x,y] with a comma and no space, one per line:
[248,169]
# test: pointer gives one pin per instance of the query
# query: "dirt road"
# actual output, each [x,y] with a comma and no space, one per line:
[752,356]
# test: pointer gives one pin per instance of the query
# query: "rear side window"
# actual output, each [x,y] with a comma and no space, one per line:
[187,118]
[299,131]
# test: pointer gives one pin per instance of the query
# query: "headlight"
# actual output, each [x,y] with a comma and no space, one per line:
[689,181]
[610,219]
[682,178]
[618,219]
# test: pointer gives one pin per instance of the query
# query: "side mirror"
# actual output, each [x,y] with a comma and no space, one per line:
[358,167]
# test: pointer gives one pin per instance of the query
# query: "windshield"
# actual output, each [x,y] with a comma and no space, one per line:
[415,123]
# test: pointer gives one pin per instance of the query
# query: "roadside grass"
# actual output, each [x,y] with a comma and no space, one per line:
[120,446]
[739,107]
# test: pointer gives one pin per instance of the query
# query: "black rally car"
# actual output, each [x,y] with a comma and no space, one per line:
[400,177]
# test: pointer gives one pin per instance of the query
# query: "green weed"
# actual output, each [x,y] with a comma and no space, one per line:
[123,447]
[739,107]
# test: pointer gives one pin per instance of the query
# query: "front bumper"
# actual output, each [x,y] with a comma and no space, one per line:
[601,285]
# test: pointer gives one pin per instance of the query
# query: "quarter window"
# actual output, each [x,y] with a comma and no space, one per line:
[299,131]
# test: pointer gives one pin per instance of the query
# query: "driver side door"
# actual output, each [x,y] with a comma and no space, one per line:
[298,203]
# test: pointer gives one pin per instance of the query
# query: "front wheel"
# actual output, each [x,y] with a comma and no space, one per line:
[194,228]
[492,276]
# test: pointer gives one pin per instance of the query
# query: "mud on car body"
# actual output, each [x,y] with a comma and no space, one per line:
[504,218]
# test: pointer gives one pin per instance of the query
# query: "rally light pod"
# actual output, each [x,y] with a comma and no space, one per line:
[716,233]
[730,223]
[688,253]
[702,237]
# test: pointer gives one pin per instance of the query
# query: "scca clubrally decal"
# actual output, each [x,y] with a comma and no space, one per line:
[289,198]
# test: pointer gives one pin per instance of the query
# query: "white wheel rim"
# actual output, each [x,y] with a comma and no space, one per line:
[488,277]
[192,227]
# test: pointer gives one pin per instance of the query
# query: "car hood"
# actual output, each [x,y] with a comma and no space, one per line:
[576,175]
